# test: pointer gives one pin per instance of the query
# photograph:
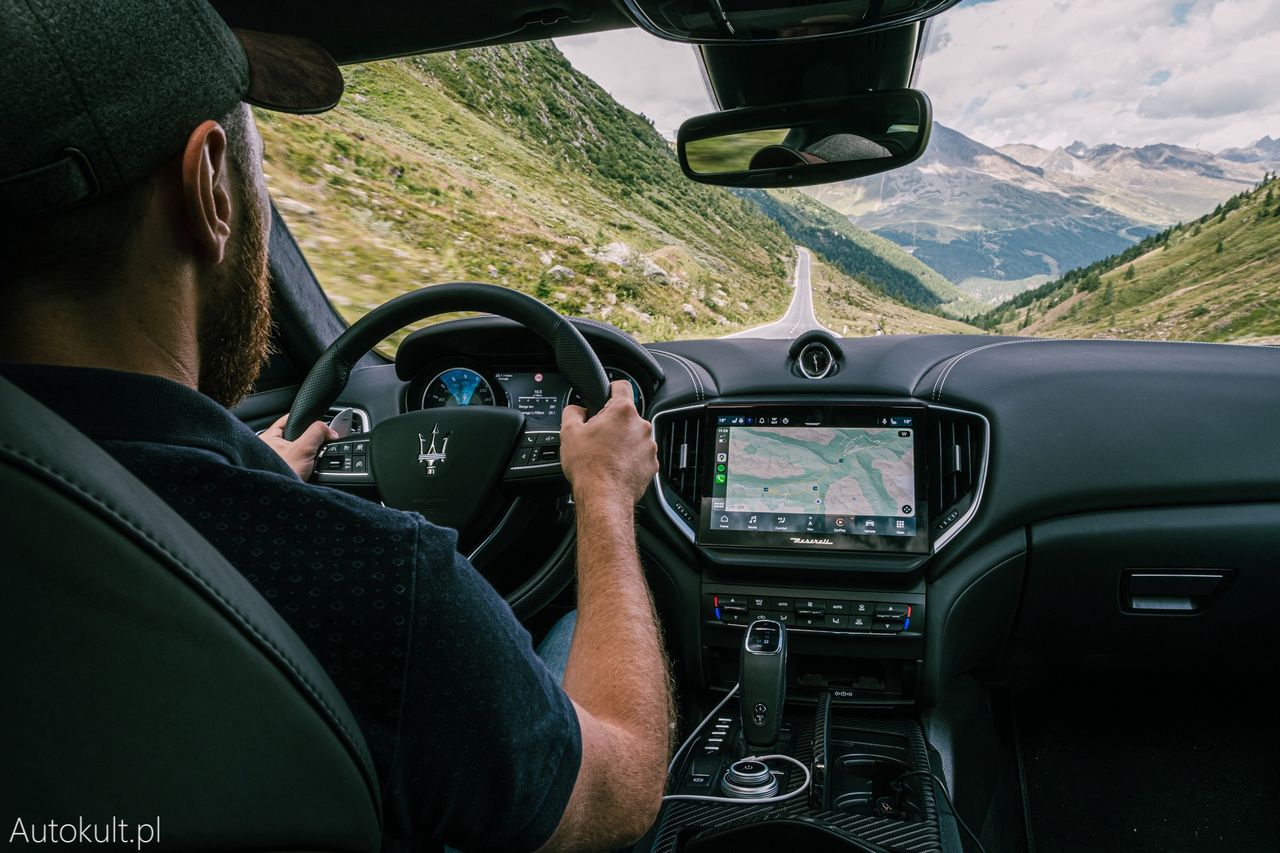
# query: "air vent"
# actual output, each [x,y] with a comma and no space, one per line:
[957,442]
[681,458]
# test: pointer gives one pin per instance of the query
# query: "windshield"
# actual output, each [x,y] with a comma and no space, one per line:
[1112,183]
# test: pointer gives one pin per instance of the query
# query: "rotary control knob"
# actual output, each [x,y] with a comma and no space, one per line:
[749,779]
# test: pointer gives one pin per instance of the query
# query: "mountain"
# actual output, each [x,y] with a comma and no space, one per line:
[1214,279]
[506,165]
[998,221]
[870,259]
[1155,184]
[1265,150]
[969,211]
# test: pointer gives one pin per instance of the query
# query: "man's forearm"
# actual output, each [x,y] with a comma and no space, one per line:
[617,667]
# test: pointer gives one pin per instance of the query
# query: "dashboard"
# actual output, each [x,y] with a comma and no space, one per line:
[926,504]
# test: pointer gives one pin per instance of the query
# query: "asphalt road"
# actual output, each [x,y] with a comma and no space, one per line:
[799,317]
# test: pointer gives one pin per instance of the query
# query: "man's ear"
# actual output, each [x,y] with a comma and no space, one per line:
[206,191]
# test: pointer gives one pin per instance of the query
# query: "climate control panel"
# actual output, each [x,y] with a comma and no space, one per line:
[812,610]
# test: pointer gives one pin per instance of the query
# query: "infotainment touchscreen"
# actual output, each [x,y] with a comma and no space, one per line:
[846,478]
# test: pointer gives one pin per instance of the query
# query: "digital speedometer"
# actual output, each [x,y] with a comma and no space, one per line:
[573,398]
[459,386]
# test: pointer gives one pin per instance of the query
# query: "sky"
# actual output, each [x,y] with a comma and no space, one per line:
[660,79]
[1199,73]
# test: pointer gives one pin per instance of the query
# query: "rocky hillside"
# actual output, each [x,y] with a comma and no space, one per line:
[1214,279]
[506,165]
[852,310]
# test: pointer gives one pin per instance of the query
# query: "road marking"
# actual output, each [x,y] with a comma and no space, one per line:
[799,316]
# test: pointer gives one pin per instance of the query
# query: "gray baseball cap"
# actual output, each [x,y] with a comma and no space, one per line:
[98,93]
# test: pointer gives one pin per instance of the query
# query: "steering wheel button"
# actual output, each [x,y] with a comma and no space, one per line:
[358,464]
[552,438]
[548,454]
[523,456]
[529,439]
[359,447]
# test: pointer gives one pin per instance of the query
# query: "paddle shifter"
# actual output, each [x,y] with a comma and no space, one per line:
[763,684]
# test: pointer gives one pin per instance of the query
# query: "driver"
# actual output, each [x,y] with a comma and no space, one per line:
[133,233]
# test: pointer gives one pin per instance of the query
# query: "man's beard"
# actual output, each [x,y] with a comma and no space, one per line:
[235,319]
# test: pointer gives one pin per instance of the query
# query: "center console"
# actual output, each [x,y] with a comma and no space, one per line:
[819,516]
[824,776]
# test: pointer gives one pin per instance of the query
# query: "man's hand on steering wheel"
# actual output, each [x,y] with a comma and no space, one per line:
[300,455]
[612,456]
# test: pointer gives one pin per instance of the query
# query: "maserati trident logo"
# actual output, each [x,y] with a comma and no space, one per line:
[801,540]
[430,456]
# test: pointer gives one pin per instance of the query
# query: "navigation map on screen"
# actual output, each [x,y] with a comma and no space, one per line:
[839,480]
[821,470]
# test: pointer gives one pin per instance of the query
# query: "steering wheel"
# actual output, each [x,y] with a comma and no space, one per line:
[448,464]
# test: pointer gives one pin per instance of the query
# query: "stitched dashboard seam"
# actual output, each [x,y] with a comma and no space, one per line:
[941,381]
[191,573]
[693,377]
[699,390]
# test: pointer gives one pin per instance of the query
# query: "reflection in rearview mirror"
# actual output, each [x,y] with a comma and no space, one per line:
[732,152]
[806,143]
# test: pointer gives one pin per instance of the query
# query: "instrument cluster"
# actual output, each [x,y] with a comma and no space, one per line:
[540,394]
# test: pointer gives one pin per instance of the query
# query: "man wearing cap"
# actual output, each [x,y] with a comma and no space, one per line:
[133,238]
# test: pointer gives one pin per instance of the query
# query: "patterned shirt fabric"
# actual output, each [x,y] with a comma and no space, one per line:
[474,742]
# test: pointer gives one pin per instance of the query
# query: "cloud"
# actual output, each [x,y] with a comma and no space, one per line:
[660,79]
[1047,72]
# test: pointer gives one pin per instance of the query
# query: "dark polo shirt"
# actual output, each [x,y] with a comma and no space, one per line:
[474,742]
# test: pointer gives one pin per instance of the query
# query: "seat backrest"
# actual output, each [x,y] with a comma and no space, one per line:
[144,678]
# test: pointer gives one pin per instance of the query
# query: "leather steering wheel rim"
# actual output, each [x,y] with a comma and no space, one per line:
[332,370]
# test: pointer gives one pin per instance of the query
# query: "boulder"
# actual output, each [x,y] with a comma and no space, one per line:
[611,253]
[653,271]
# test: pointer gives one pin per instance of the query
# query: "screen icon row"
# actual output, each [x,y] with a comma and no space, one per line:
[751,420]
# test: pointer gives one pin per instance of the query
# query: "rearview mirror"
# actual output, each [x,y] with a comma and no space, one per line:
[754,21]
[811,142]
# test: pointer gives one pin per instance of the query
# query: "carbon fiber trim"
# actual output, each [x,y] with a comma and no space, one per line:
[679,820]
[822,722]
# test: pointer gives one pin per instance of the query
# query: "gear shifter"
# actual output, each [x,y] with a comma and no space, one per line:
[763,684]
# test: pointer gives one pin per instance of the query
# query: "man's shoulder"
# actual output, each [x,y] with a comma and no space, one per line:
[272,501]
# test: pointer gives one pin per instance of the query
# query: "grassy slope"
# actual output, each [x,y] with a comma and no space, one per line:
[847,308]
[502,164]
[867,257]
[499,164]
[1182,286]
